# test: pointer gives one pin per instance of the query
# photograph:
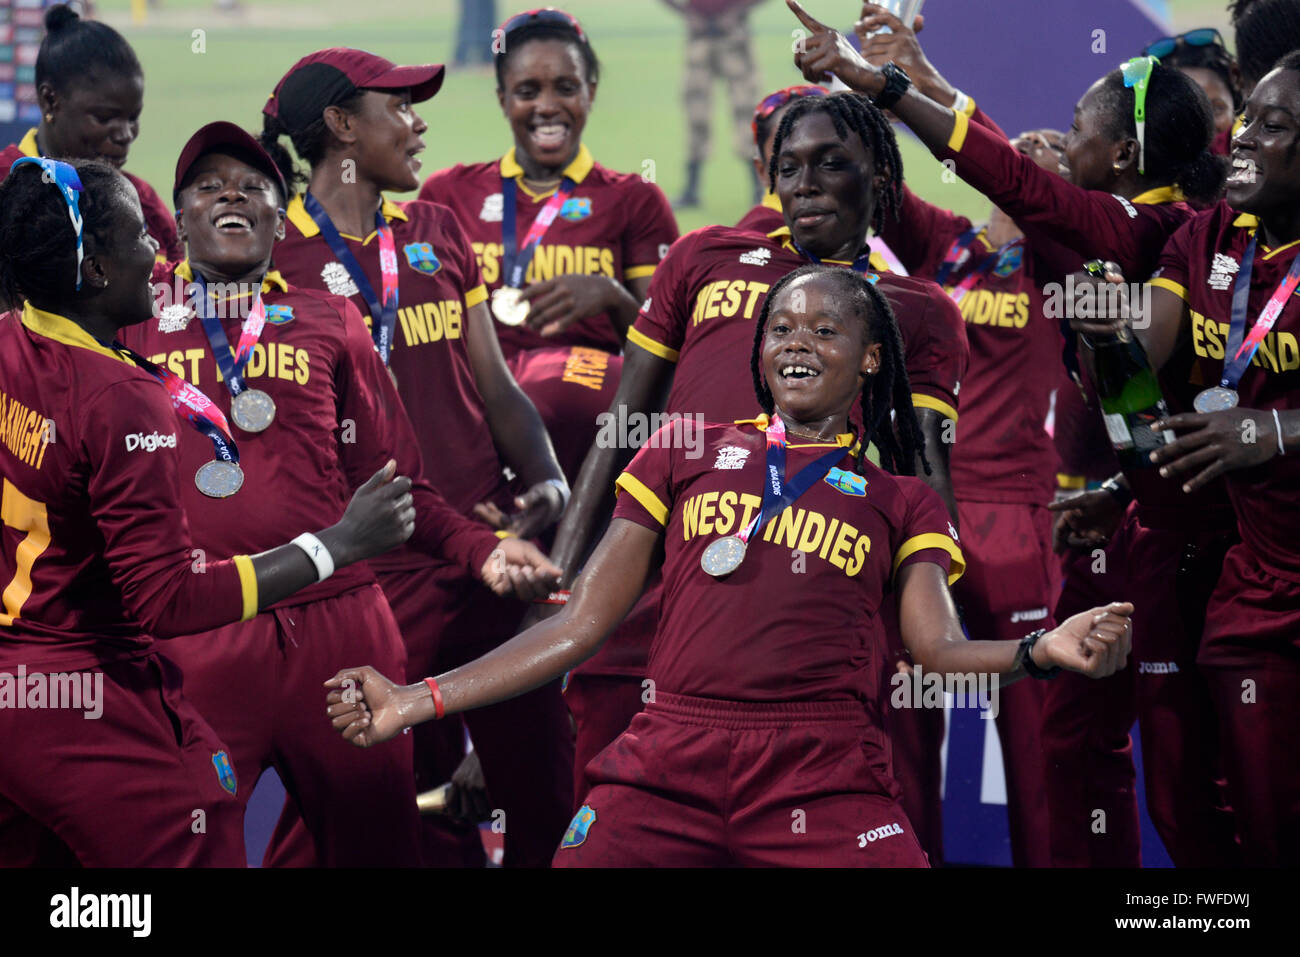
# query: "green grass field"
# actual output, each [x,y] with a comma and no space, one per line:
[638,115]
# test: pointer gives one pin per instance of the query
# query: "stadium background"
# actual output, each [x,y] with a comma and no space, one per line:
[987,48]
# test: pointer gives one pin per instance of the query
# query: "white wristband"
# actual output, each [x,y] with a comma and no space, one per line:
[1277,421]
[563,486]
[320,555]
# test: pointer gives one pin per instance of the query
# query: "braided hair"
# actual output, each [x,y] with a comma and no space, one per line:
[899,441]
[310,142]
[852,113]
[38,250]
[1266,31]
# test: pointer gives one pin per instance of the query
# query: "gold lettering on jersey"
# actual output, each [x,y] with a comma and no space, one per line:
[726,299]
[431,321]
[271,360]
[549,261]
[984,307]
[1279,352]
[25,432]
[586,367]
[711,514]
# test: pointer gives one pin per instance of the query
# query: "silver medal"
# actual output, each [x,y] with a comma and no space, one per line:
[1215,399]
[723,556]
[509,309]
[219,479]
[253,410]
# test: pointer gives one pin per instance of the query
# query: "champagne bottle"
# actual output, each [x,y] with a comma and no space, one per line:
[1130,400]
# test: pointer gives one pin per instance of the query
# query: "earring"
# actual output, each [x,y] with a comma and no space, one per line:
[49,117]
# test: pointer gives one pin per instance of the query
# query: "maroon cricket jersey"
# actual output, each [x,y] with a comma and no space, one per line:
[1003,451]
[1200,266]
[338,419]
[1063,223]
[764,218]
[439,284]
[158,217]
[763,633]
[96,553]
[613,224]
[707,294]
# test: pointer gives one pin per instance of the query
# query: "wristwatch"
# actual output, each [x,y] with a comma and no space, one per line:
[1026,655]
[1121,494]
[897,83]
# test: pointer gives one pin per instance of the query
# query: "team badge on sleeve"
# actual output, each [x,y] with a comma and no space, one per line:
[420,257]
[850,483]
[578,827]
[279,315]
[1009,261]
[225,771]
[576,210]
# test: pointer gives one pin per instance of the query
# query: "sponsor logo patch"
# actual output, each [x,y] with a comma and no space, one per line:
[336,279]
[175,318]
[493,205]
[879,833]
[1222,271]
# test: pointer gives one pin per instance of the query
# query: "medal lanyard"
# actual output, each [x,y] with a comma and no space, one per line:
[516,256]
[861,265]
[191,405]
[976,275]
[232,366]
[1242,347]
[383,314]
[778,494]
[957,254]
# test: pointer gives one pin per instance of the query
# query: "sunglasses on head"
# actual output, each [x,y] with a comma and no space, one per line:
[1137,75]
[543,15]
[774,101]
[1205,37]
[64,178]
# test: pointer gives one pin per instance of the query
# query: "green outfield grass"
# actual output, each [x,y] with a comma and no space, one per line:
[638,115]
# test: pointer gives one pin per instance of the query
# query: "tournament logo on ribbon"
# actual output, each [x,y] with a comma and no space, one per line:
[225,771]
[850,483]
[1009,261]
[279,315]
[575,210]
[577,832]
[421,258]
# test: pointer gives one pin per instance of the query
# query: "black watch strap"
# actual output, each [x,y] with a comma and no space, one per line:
[1027,657]
[897,83]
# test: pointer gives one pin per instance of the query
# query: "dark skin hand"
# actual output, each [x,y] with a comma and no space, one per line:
[382,140]
[368,708]
[1086,520]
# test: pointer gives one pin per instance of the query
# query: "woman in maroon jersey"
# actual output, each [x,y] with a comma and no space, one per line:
[584,276]
[97,551]
[349,114]
[91,90]
[755,677]
[1122,200]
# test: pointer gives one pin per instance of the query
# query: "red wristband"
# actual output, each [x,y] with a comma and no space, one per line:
[554,598]
[438,710]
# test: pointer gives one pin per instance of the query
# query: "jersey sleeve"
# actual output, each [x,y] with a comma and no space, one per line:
[135,500]
[645,487]
[1172,272]
[983,119]
[661,324]
[937,354]
[1092,223]
[455,243]
[927,533]
[436,186]
[922,233]
[651,230]
[382,431]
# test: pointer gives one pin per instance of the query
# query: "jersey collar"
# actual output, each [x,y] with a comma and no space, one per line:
[772,201]
[1160,196]
[60,329]
[270,282]
[27,145]
[1251,222]
[577,170]
[783,236]
[843,439]
[302,221]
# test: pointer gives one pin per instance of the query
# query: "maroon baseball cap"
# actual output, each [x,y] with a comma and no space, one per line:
[331,76]
[227,138]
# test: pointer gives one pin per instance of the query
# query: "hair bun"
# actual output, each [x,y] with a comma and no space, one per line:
[59,16]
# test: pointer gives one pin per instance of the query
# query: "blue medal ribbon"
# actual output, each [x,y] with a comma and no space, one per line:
[515,259]
[1236,359]
[382,314]
[861,265]
[231,371]
[778,494]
